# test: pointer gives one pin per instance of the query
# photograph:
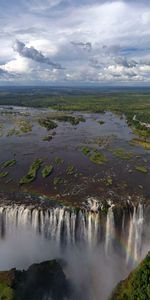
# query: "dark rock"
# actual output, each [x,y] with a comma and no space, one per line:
[44,281]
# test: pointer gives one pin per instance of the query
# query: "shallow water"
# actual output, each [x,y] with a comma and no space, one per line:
[67,144]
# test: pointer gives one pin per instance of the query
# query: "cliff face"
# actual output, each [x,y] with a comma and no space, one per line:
[40,282]
[136,285]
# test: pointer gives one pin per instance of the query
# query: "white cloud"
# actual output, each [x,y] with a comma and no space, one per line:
[44,45]
[17,65]
[101,41]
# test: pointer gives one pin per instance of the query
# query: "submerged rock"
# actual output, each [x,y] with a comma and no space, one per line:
[136,285]
[41,281]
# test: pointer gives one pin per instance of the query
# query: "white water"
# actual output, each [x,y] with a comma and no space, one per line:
[110,231]
[134,244]
[85,239]
[67,227]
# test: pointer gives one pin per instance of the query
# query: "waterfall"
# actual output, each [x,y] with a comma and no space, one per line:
[138,232]
[93,204]
[67,227]
[135,234]
[110,230]
[57,223]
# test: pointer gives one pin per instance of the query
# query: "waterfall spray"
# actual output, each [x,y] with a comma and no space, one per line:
[69,227]
[110,230]
[135,234]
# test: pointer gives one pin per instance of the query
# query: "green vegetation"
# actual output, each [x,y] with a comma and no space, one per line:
[108,181]
[70,170]
[71,119]
[58,180]
[86,150]
[6,293]
[143,117]
[105,207]
[95,157]
[11,112]
[3,174]
[1,129]
[47,170]
[137,285]
[128,102]
[143,144]
[98,158]
[140,122]
[9,163]
[31,176]
[122,154]
[13,131]
[103,141]
[24,126]
[21,127]
[95,101]
[142,132]
[47,123]
[47,138]
[59,160]
[141,169]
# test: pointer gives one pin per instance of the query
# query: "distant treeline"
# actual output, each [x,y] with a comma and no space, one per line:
[125,102]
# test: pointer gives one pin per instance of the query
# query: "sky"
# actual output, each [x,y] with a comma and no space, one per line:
[74,42]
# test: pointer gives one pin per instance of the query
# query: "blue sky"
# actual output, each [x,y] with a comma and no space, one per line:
[72,41]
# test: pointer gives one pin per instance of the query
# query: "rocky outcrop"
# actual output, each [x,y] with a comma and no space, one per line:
[136,285]
[44,281]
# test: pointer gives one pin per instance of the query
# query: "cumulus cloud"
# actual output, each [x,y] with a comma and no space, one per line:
[95,40]
[6,75]
[17,65]
[121,71]
[32,53]
[128,63]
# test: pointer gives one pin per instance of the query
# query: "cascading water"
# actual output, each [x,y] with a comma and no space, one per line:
[68,227]
[110,230]
[135,234]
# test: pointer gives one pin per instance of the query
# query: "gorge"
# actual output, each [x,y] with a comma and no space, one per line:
[90,240]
